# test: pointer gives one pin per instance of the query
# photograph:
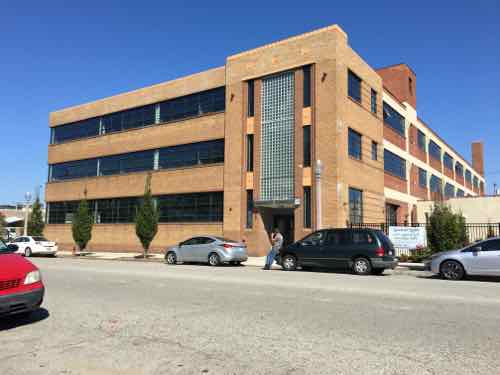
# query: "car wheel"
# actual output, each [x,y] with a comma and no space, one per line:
[27,252]
[378,271]
[171,258]
[452,270]
[236,263]
[362,266]
[289,262]
[214,259]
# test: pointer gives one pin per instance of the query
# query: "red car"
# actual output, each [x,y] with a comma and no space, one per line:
[21,286]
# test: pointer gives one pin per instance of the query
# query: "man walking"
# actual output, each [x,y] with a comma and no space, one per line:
[277,243]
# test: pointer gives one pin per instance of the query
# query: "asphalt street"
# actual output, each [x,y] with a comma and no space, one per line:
[117,317]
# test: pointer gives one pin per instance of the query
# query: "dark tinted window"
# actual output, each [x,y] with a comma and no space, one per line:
[374,101]
[394,119]
[448,161]
[250,152]
[435,185]
[459,169]
[193,105]
[129,119]
[449,191]
[492,245]
[476,182]
[127,163]
[355,206]
[316,238]
[307,86]
[460,193]
[434,150]
[192,154]
[307,146]
[249,209]
[251,99]
[81,129]
[73,169]
[394,164]
[468,176]
[307,207]
[422,178]
[354,86]
[374,150]
[62,212]
[118,210]
[362,238]
[195,207]
[421,140]
[354,144]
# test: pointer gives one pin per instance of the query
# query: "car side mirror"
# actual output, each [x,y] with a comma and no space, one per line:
[12,247]
[477,249]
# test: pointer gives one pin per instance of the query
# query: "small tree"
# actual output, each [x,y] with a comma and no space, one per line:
[35,220]
[446,230]
[82,225]
[146,220]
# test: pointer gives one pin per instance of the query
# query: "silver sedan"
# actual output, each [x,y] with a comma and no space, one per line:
[207,249]
[481,259]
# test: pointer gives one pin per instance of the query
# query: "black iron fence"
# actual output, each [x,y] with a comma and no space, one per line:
[475,231]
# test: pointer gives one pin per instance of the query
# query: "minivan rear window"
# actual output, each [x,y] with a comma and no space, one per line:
[386,242]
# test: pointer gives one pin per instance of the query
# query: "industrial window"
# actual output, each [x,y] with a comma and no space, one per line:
[201,153]
[193,105]
[374,150]
[459,169]
[63,212]
[129,119]
[374,101]
[118,210]
[251,98]
[460,193]
[194,207]
[127,163]
[448,161]
[476,182]
[76,130]
[73,169]
[422,178]
[307,145]
[307,207]
[434,150]
[250,152]
[354,144]
[421,140]
[436,185]
[249,223]
[354,89]
[449,191]
[468,176]
[394,119]
[355,206]
[394,165]
[307,86]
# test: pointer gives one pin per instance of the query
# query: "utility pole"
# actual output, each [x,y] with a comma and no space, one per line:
[27,197]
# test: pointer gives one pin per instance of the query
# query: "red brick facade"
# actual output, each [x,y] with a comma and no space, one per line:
[415,189]
[394,137]
[413,145]
[395,183]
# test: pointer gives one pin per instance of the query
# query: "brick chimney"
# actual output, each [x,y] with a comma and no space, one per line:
[401,81]
[478,157]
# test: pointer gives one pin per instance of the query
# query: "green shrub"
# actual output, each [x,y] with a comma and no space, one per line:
[445,229]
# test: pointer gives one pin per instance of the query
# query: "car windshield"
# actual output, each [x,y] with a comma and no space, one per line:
[40,239]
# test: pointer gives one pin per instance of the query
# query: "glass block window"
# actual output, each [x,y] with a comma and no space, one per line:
[355,206]
[277,137]
[354,145]
[449,191]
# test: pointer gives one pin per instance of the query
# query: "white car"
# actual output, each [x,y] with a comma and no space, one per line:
[35,245]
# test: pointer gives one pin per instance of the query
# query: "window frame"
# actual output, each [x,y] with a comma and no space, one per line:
[391,157]
[433,147]
[355,205]
[354,138]
[354,83]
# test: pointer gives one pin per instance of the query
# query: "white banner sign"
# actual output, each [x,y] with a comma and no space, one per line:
[408,237]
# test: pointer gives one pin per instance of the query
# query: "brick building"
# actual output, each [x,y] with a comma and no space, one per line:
[300,134]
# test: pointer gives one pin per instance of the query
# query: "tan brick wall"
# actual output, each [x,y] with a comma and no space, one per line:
[188,180]
[188,131]
[122,237]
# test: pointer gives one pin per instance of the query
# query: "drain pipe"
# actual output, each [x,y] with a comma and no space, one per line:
[318,170]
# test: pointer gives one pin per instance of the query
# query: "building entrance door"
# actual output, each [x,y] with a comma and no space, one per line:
[285,223]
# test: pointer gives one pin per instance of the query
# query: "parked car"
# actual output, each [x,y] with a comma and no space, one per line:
[364,251]
[480,259]
[207,249]
[35,245]
[21,285]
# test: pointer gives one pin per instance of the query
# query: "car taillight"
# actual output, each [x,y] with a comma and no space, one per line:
[380,252]
[228,246]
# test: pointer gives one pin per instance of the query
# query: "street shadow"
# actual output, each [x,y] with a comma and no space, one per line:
[483,279]
[23,319]
[338,271]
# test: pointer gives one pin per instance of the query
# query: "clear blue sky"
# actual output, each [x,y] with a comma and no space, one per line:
[54,55]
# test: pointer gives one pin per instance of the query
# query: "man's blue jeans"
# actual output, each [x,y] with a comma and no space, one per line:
[270,257]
